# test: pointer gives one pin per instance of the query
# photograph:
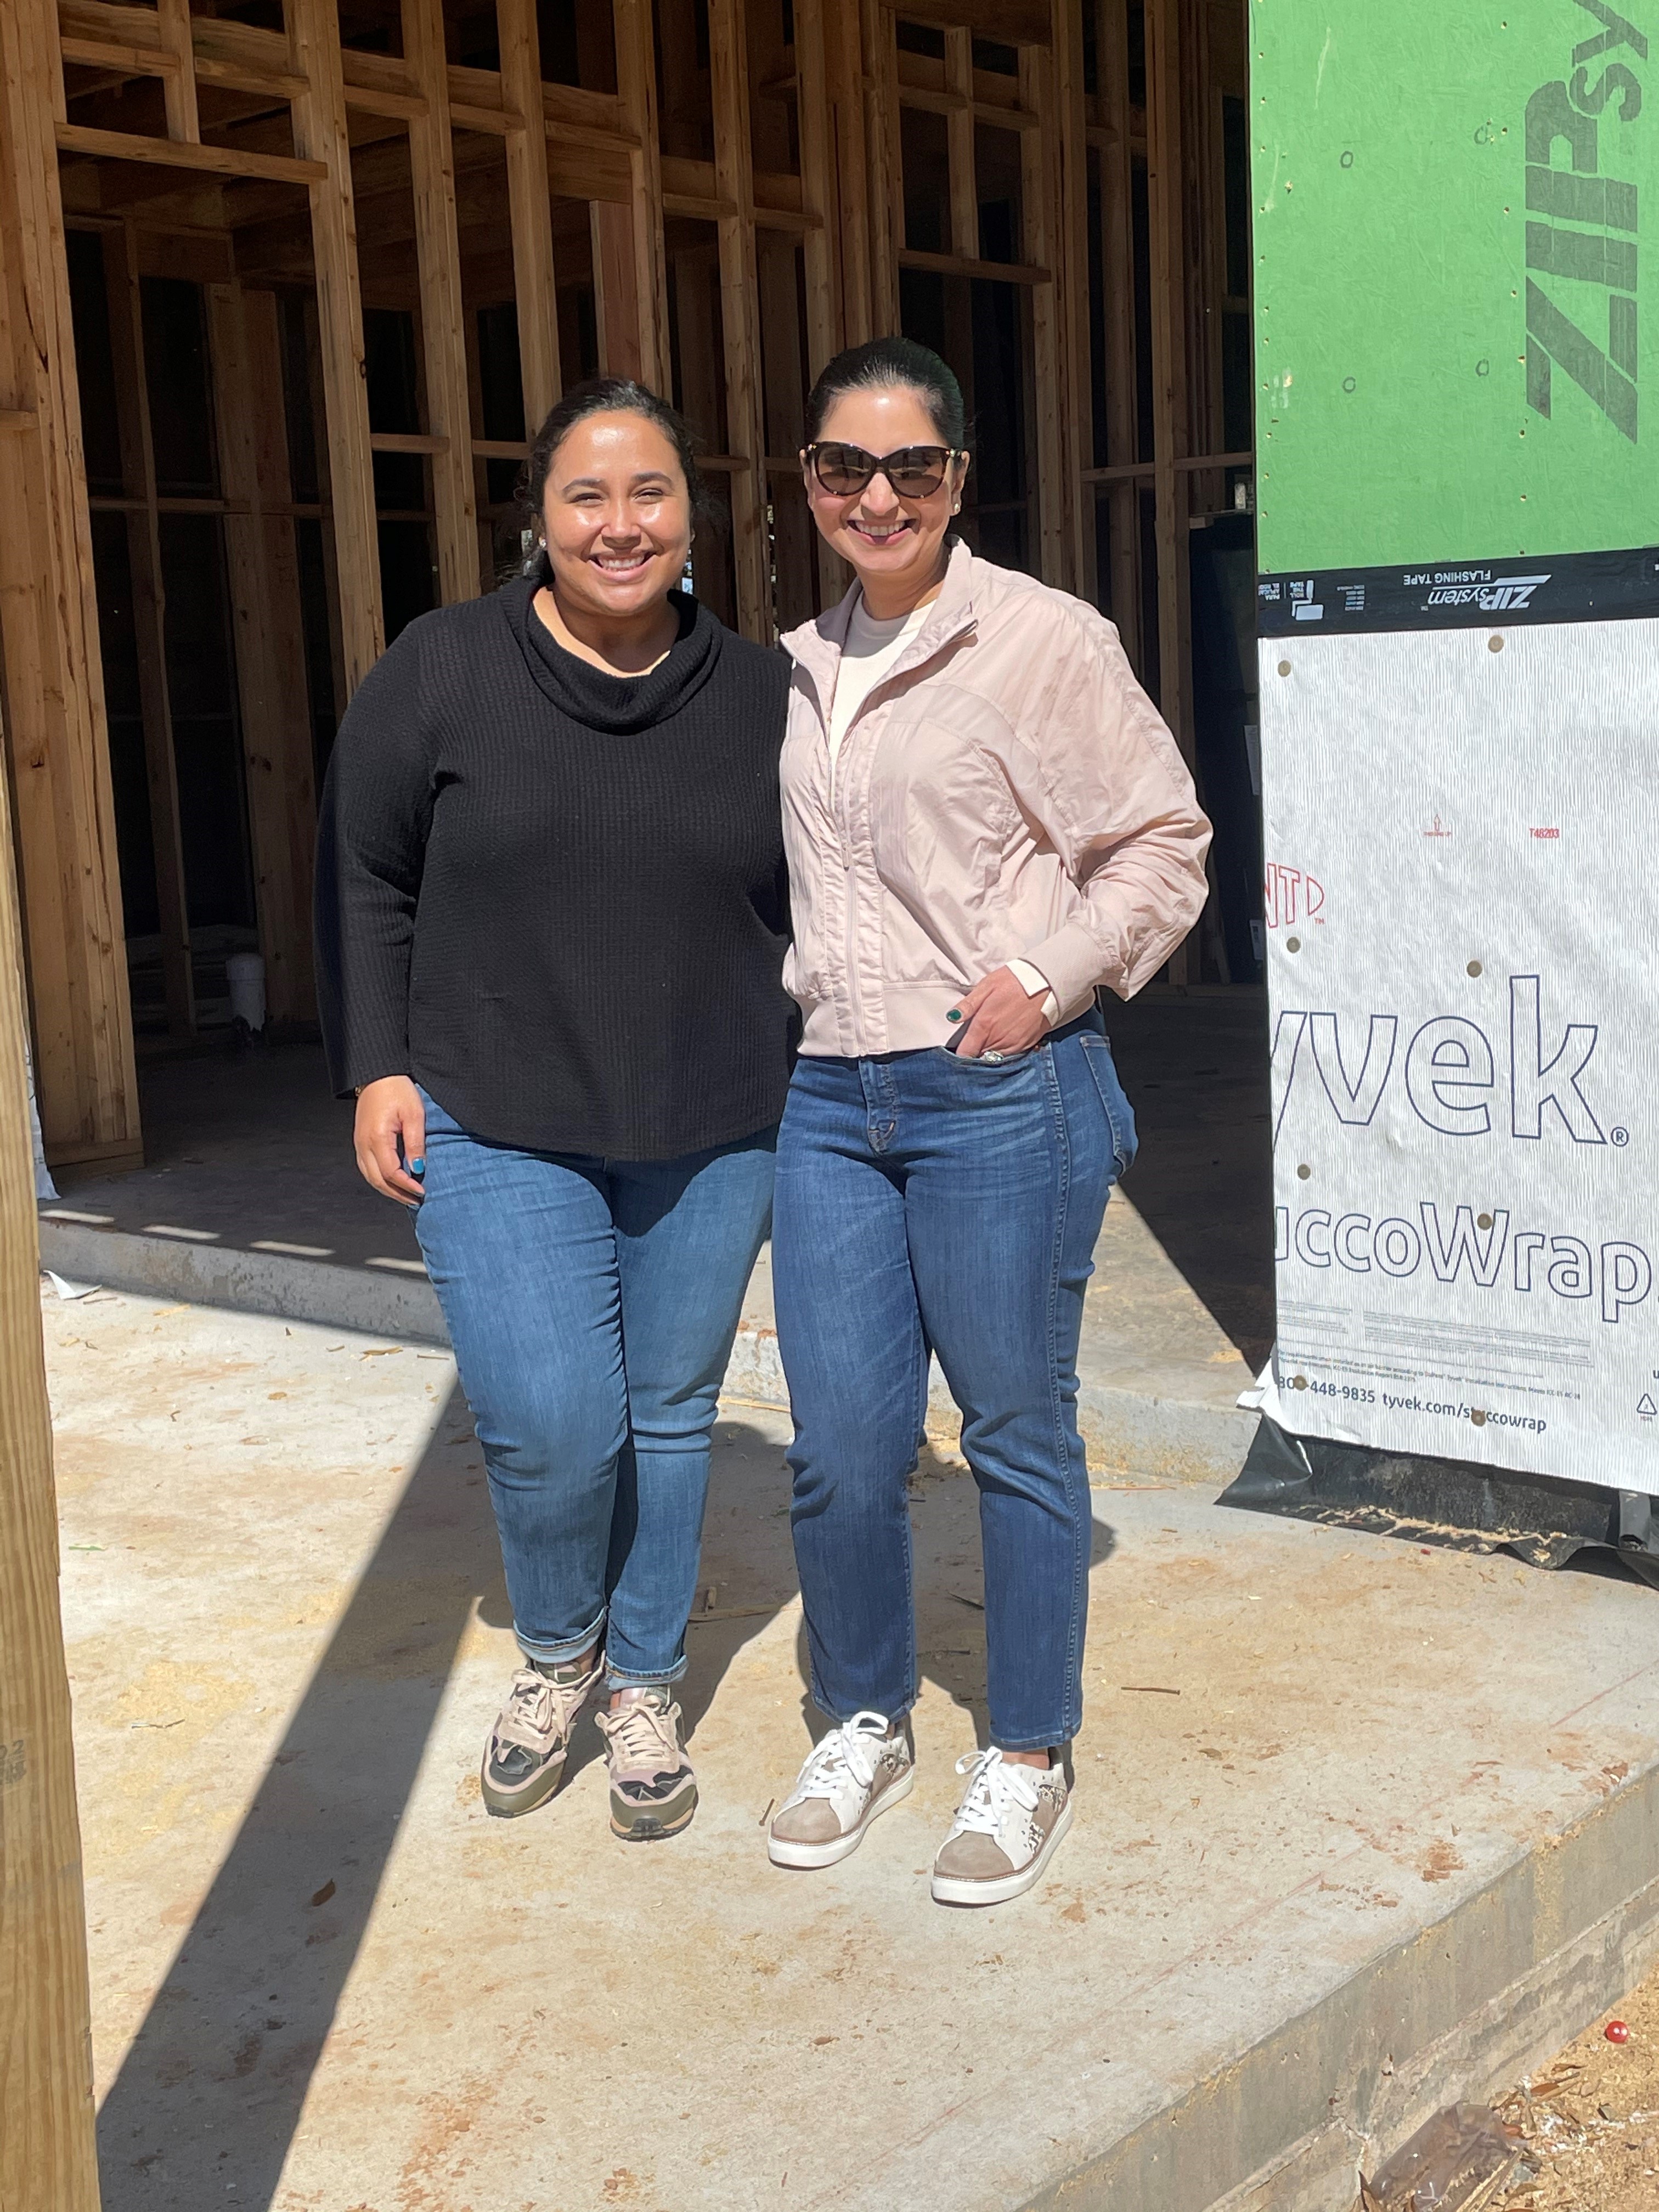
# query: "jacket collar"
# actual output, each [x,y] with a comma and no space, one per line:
[816,646]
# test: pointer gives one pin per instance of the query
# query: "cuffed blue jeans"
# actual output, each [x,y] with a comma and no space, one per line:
[925,1200]
[592,1305]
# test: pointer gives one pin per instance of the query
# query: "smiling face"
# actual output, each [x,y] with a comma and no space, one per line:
[895,544]
[618,516]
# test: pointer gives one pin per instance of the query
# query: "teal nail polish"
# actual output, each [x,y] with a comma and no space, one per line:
[955,1014]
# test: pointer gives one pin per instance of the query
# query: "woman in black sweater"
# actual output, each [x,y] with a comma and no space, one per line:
[550,922]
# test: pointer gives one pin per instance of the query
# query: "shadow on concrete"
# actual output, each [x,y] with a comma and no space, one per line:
[209,2095]
[208,2098]
[1195,1070]
[252,1994]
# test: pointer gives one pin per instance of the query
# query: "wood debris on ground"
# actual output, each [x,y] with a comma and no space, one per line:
[1588,2123]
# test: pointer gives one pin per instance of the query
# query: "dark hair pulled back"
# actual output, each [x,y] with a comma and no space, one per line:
[879,364]
[606,395]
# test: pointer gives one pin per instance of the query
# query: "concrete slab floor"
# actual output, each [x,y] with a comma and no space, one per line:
[323,1978]
[249,1151]
[250,1199]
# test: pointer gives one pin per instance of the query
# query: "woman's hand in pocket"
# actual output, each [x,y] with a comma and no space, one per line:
[1000,1015]
[390,1138]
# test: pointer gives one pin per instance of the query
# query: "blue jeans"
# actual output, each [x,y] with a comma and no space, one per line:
[927,1200]
[593,1305]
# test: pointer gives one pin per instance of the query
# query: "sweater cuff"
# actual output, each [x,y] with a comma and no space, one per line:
[360,1072]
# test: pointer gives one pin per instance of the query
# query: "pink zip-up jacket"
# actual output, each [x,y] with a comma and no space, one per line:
[1008,792]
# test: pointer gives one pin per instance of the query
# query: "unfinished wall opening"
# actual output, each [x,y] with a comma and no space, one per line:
[166,593]
[361,256]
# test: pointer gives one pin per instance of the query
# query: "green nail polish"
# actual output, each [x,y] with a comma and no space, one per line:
[955,1014]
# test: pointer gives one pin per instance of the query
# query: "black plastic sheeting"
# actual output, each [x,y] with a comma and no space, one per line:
[1543,1520]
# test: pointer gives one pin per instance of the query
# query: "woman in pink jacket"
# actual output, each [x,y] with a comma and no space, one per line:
[985,820]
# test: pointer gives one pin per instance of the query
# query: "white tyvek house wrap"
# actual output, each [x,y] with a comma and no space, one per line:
[1466,1166]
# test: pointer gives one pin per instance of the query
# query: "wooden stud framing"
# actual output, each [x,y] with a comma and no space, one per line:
[150,622]
[818,197]
[1039,153]
[264,579]
[734,183]
[530,213]
[617,291]
[850,175]
[821,248]
[179,86]
[1169,391]
[1069,159]
[321,133]
[484,230]
[960,148]
[636,89]
[1118,279]
[885,170]
[48,2149]
[438,259]
[53,705]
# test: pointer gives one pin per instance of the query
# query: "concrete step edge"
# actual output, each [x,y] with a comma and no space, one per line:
[1513,1971]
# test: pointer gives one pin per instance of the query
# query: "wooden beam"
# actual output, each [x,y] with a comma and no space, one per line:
[55,729]
[734,181]
[126,330]
[960,264]
[320,135]
[843,41]
[960,162]
[1169,387]
[951,103]
[1009,23]
[171,154]
[319,402]
[530,215]
[615,292]
[443,317]
[1044,241]
[179,87]
[48,2149]
[885,170]
[1069,171]
[111,54]
[245,345]
[1168,339]
[636,88]
[1116,276]
[821,248]
[793,562]
[101,19]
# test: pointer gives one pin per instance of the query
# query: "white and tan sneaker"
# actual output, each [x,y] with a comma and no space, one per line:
[1007,1828]
[853,1774]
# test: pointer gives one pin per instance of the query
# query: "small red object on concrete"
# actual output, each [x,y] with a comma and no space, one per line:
[1616,2031]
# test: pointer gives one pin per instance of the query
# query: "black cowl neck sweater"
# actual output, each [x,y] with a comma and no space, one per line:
[557,898]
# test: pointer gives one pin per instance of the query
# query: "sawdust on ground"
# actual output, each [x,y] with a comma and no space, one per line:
[1589,2121]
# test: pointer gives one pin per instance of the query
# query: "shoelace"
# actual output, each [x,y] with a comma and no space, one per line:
[850,1750]
[992,1784]
[535,1709]
[640,1731]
